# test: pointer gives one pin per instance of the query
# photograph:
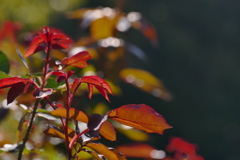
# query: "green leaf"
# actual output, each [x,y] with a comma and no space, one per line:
[3,75]
[4,63]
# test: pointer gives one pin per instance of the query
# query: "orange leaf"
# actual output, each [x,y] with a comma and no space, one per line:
[57,132]
[102,149]
[140,116]
[77,60]
[73,113]
[108,131]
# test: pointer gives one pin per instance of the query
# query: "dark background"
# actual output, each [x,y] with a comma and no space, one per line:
[198,60]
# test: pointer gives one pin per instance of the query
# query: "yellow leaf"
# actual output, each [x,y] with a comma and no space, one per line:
[146,82]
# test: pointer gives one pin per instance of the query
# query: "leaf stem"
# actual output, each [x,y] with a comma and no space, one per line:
[28,130]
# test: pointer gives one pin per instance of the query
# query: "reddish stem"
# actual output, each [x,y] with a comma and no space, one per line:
[75,138]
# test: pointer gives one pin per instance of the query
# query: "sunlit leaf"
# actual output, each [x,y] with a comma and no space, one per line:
[92,153]
[102,86]
[73,114]
[145,81]
[132,133]
[77,60]
[141,150]
[108,131]
[4,63]
[57,132]
[140,116]
[102,149]
[7,82]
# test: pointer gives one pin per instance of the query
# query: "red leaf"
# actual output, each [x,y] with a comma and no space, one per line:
[140,116]
[33,49]
[15,91]
[102,86]
[182,149]
[77,60]
[8,30]
[8,82]
[177,144]
[47,39]
[75,85]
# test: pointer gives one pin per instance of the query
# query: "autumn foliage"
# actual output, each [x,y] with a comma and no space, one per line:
[139,116]
[53,95]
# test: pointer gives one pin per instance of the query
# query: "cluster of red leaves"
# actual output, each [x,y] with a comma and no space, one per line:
[139,116]
[49,38]
[183,150]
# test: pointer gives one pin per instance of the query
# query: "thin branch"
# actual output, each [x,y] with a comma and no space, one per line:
[28,130]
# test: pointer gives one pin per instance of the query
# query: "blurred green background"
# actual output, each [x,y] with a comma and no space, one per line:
[198,59]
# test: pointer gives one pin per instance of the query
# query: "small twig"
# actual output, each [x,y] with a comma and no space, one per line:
[28,130]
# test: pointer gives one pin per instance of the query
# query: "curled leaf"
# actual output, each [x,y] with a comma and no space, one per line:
[102,86]
[140,116]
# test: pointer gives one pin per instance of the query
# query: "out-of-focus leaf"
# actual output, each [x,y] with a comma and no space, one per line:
[102,86]
[22,59]
[140,116]
[8,30]
[134,134]
[15,91]
[77,60]
[146,82]
[73,114]
[3,113]
[105,25]
[22,127]
[4,63]
[3,75]
[108,131]
[178,144]
[103,150]
[51,82]
[77,14]
[141,150]
[182,149]
[119,155]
